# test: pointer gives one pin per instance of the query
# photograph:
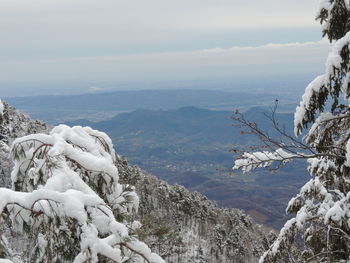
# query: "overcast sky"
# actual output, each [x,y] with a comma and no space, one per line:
[74,46]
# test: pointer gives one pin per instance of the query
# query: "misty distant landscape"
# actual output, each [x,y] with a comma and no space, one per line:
[188,145]
[100,106]
[191,146]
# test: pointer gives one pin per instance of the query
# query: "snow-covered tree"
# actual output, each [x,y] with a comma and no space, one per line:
[67,199]
[321,226]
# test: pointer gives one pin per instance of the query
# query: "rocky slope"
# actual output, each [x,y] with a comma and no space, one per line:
[179,225]
[14,124]
[184,226]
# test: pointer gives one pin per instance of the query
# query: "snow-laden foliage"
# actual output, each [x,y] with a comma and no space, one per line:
[321,226]
[67,199]
[2,107]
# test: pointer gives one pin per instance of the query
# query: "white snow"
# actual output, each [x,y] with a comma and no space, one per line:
[334,58]
[312,89]
[333,64]
[348,154]
[283,235]
[68,163]
[347,4]
[336,213]
[345,85]
[249,161]
[2,107]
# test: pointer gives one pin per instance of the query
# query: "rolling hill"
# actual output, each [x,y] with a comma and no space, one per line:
[191,146]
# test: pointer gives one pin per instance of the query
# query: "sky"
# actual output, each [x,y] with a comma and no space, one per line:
[70,47]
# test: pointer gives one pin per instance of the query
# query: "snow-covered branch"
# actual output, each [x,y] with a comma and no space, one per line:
[249,161]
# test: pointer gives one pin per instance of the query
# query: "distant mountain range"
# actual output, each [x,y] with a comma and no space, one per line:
[190,146]
[54,109]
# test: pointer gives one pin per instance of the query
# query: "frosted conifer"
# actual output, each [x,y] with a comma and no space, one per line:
[322,208]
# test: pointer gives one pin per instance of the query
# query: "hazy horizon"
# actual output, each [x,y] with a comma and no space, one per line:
[86,46]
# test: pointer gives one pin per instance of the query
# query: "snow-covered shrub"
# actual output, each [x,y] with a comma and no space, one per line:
[67,199]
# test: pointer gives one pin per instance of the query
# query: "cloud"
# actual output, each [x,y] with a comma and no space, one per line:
[216,64]
[98,22]
[160,13]
[94,89]
[322,43]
